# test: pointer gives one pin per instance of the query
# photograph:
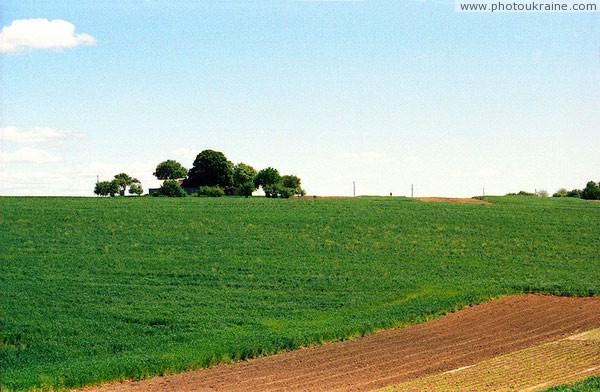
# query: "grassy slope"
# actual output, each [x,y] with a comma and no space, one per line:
[101,289]
[591,384]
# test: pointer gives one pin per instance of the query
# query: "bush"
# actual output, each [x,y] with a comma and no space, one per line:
[211,191]
[521,193]
[171,188]
[574,193]
[247,189]
[286,193]
[562,192]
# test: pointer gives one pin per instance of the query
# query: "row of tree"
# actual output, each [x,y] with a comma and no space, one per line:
[590,192]
[119,185]
[212,174]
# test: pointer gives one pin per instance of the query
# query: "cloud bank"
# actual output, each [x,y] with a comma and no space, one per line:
[33,135]
[28,155]
[41,34]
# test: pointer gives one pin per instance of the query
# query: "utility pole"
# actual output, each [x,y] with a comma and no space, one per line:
[412,191]
[353,188]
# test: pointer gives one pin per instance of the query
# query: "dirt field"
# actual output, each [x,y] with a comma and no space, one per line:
[452,200]
[451,343]
[542,366]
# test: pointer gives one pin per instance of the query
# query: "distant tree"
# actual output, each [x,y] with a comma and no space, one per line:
[292,185]
[542,193]
[106,188]
[136,189]
[211,168]
[591,191]
[243,179]
[562,192]
[171,188]
[242,174]
[269,180]
[123,180]
[170,170]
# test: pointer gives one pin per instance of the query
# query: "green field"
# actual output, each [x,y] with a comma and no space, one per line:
[591,384]
[96,289]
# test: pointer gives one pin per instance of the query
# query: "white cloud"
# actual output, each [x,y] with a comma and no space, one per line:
[33,135]
[28,155]
[41,34]
[75,179]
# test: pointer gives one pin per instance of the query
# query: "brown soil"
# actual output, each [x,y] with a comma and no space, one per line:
[457,340]
[530,369]
[452,200]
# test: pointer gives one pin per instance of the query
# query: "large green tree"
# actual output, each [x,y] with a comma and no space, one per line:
[170,170]
[211,168]
[591,191]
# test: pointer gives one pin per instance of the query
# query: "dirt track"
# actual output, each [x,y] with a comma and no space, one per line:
[392,357]
[452,200]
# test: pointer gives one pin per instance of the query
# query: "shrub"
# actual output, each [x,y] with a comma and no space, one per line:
[211,191]
[171,188]
[562,192]
[574,193]
[246,189]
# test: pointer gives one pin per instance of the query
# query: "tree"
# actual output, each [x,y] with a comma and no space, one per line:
[171,188]
[123,180]
[269,179]
[591,191]
[574,193]
[242,174]
[292,185]
[170,170]
[106,188]
[211,168]
[136,189]
[243,179]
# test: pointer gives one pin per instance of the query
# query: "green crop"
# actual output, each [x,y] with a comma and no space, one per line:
[591,384]
[96,289]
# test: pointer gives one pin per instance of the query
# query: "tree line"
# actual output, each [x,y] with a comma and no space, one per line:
[590,192]
[212,174]
[118,185]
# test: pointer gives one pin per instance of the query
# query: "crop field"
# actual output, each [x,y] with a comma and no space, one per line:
[126,288]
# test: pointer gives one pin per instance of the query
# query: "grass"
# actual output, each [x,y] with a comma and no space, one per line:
[591,384]
[104,289]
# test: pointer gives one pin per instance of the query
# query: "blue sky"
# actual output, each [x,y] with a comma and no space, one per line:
[384,93]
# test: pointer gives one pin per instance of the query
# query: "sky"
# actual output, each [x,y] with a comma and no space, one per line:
[383,94]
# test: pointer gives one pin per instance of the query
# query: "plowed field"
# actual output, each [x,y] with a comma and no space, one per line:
[518,325]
